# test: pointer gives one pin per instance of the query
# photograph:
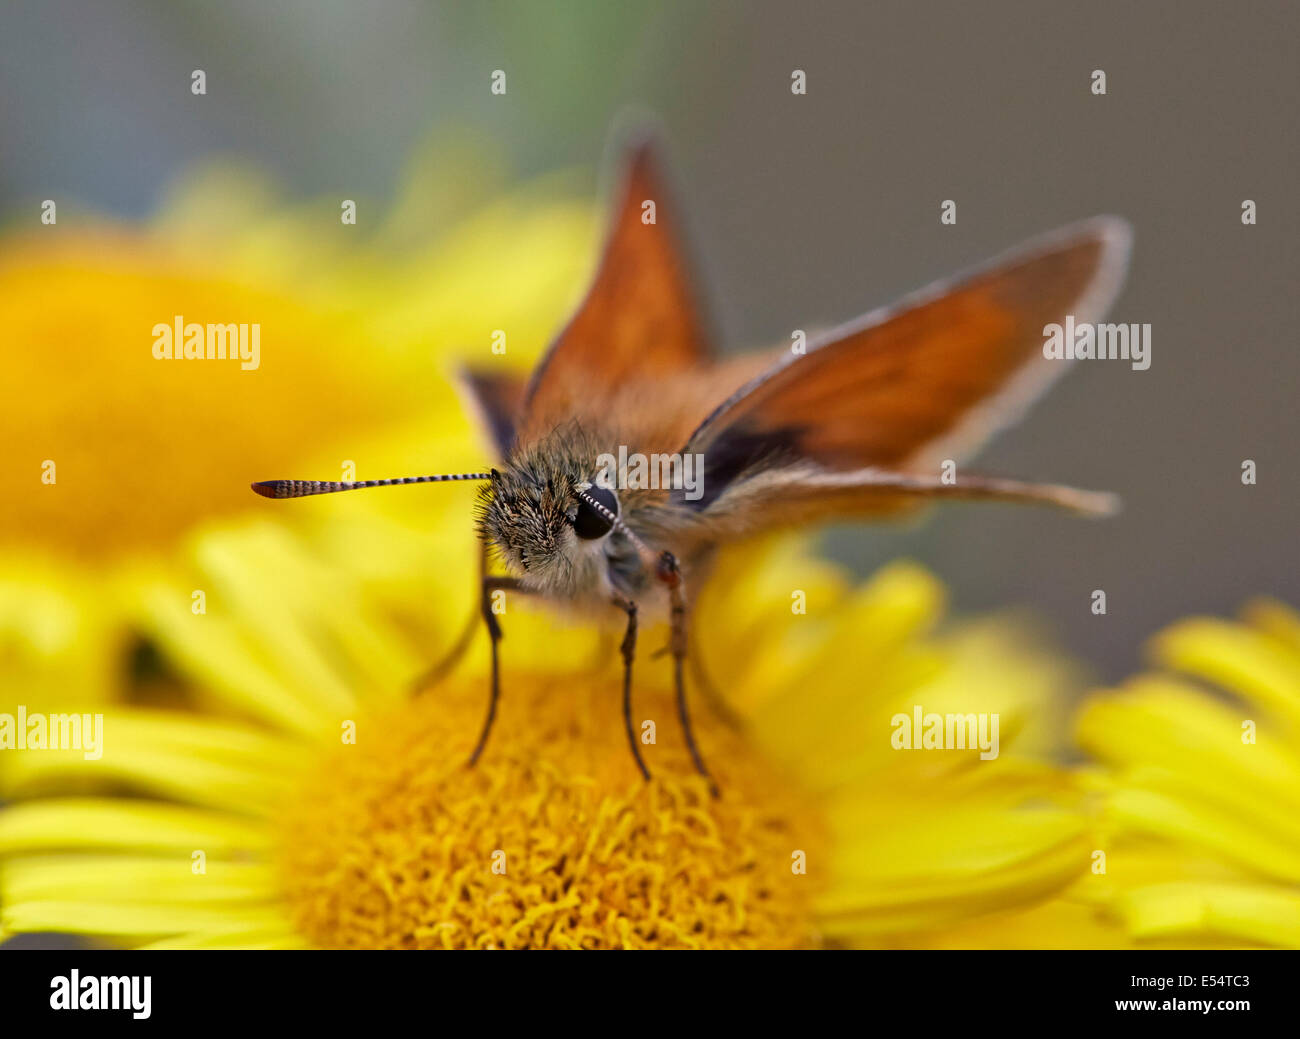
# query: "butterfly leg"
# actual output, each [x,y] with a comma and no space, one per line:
[487,587]
[717,703]
[629,653]
[670,574]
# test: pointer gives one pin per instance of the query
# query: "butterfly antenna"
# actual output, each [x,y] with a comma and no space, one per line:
[304,488]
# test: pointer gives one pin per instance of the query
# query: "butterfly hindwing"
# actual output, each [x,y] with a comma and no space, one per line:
[498,399]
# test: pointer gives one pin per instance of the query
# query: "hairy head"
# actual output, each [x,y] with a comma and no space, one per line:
[534,510]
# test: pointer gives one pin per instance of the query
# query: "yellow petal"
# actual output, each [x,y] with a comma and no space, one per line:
[1248,913]
[86,823]
[928,870]
[121,920]
[1247,662]
[214,651]
[1275,619]
[266,938]
[135,878]
[183,756]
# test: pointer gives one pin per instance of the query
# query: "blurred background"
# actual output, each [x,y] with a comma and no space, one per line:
[809,210]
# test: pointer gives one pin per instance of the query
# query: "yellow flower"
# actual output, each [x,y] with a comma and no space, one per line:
[312,801]
[1202,791]
[303,797]
[112,457]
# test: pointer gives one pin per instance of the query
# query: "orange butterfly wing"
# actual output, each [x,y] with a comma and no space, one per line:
[639,322]
[858,424]
[938,373]
[853,425]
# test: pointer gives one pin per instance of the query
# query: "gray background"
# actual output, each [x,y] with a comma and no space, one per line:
[810,210]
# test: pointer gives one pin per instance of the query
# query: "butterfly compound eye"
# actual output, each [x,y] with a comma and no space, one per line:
[591,523]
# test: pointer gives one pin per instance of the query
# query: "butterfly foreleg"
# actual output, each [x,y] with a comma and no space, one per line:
[488,585]
[670,574]
[628,649]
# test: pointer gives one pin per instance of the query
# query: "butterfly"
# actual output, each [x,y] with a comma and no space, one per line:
[865,421]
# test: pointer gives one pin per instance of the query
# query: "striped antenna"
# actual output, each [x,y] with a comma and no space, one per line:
[645,551]
[303,488]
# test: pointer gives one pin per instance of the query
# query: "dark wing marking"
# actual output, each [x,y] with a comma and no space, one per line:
[929,378]
[497,398]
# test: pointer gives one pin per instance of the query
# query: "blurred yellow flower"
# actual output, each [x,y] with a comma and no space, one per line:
[259,821]
[113,457]
[1201,791]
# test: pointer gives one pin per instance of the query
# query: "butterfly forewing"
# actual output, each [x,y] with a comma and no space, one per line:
[896,391]
[640,319]
[951,363]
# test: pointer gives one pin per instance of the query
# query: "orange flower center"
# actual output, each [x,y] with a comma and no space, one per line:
[109,448]
[553,840]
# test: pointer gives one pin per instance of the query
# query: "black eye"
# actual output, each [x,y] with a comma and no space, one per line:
[589,523]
